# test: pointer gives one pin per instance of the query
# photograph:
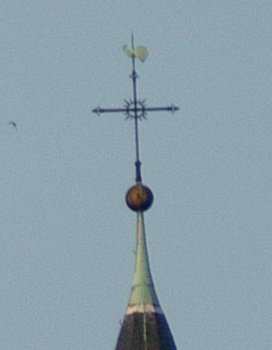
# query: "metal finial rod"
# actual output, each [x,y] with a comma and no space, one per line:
[137,148]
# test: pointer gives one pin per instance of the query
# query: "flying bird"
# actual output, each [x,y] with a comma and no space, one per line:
[12,123]
[139,52]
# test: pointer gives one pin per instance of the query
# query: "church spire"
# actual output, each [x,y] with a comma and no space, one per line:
[144,326]
[143,295]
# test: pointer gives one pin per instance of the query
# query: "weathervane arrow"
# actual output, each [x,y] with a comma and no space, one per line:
[135,108]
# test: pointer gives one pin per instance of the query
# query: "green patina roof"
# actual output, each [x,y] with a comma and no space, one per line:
[143,291]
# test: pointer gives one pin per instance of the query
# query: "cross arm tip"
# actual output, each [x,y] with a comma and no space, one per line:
[97,111]
[174,108]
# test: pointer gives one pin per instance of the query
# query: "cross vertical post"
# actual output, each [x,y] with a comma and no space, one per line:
[134,80]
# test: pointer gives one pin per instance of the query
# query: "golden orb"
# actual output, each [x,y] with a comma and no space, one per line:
[139,197]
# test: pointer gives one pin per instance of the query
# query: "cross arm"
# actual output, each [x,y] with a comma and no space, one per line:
[131,109]
[98,110]
[171,109]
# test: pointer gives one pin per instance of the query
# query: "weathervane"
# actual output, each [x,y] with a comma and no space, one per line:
[139,197]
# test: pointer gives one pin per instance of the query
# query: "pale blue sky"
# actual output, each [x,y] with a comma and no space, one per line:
[67,237]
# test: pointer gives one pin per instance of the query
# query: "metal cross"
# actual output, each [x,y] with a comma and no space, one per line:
[135,108]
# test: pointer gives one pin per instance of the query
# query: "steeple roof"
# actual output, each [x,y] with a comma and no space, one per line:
[143,290]
[144,325]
